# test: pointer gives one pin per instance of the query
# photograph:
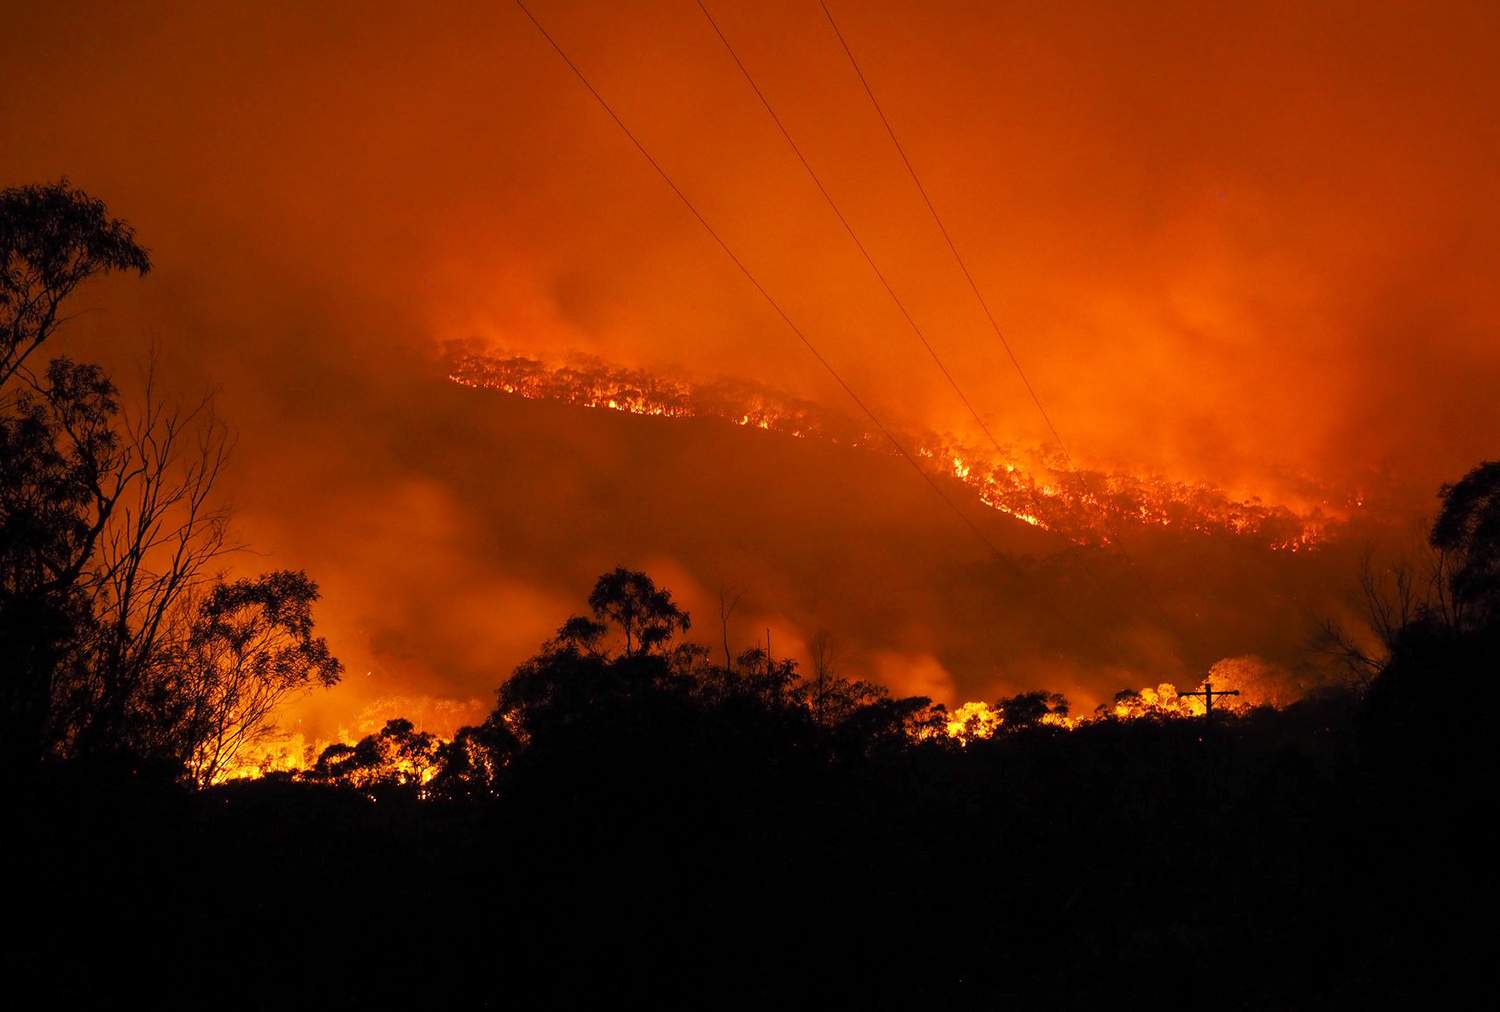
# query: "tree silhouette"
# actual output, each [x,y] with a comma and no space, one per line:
[57,451]
[398,756]
[1028,709]
[1422,613]
[645,614]
[118,642]
[52,238]
[1467,531]
[471,764]
[62,465]
[250,646]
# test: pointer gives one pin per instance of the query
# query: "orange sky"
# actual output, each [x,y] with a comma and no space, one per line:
[1252,247]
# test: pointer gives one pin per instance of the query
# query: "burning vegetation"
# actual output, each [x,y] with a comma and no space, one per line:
[625,652]
[1033,486]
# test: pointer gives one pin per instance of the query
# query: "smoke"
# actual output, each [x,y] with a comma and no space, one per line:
[1247,247]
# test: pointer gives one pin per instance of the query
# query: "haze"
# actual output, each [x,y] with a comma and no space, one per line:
[1222,243]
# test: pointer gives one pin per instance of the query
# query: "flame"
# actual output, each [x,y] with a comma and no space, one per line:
[976,721]
[973,722]
[1034,487]
[273,753]
[967,723]
[1162,701]
[294,755]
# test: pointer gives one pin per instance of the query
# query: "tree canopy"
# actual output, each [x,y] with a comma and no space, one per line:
[53,237]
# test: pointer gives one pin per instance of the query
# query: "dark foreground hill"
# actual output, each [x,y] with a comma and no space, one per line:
[1292,859]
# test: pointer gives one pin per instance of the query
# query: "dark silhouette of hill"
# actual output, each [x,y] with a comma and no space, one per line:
[635,826]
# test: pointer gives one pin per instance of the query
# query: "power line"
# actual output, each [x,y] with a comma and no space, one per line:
[833,205]
[749,276]
[952,246]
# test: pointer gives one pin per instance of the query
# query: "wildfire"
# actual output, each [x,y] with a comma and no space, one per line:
[1162,701]
[1033,487]
[976,721]
[293,755]
[275,753]
[973,721]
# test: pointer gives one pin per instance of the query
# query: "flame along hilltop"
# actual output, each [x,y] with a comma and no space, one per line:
[1035,487]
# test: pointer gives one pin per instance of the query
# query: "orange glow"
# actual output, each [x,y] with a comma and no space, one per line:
[973,721]
[275,753]
[1065,502]
[1244,252]
[1161,701]
[967,723]
[976,721]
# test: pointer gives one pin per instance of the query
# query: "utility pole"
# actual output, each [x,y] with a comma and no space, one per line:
[1209,695]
